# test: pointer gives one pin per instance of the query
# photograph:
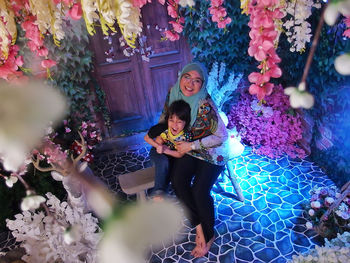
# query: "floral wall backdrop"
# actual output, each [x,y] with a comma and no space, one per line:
[329,144]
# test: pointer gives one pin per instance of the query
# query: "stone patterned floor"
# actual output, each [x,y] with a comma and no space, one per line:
[269,225]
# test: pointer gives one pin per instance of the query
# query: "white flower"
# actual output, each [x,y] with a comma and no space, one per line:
[333,10]
[140,226]
[298,97]
[309,225]
[185,3]
[329,200]
[72,234]
[11,180]
[315,204]
[311,212]
[342,64]
[25,113]
[31,202]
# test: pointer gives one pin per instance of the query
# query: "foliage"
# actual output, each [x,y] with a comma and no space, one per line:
[209,43]
[272,128]
[337,221]
[337,250]
[74,62]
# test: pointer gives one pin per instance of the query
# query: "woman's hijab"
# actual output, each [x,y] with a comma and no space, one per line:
[193,101]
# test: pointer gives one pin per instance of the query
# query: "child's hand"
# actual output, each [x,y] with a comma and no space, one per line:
[183,147]
[160,149]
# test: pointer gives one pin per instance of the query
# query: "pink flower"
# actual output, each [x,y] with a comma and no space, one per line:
[76,11]
[258,78]
[176,26]
[261,91]
[347,33]
[48,63]
[172,36]
[84,125]
[19,61]
[217,3]
[259,50]
[162,2]
[223,23]
[172,11]
[42,52]
[67,129]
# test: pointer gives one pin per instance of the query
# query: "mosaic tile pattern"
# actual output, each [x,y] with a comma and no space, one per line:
[268,227]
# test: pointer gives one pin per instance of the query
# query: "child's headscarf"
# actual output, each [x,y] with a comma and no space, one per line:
[193,101]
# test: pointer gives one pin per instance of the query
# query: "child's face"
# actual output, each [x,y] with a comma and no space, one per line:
[175,125]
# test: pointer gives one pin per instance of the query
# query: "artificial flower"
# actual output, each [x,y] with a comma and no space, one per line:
[298,30]
[298,97]
[140,226]
[185,3]
[178,28]
[342,64]
[25,114]
[334,8]
[48,63]
[76,11]
[172,36]
[31,201]
[315,204]
[309,225]
[11,180]
[311,212]
[72,234]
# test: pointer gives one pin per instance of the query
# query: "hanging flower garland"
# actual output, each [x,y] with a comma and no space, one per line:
[298,30]
[219,13]
[177,25]
[265,15]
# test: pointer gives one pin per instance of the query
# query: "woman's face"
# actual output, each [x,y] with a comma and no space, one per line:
[191,83]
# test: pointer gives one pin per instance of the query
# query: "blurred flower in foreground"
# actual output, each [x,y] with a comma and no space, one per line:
[25,112]
[31,201]
[333,10]
[342,64]
[11,180]
[127,238]
[299,97]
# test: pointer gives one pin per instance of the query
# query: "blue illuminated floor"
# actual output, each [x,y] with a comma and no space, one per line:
[269,225]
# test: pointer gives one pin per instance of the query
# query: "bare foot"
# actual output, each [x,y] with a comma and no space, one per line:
[202,247]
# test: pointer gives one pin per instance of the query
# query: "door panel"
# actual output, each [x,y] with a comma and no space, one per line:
[136,89]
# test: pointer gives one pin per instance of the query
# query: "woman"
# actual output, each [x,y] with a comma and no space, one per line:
[193,175]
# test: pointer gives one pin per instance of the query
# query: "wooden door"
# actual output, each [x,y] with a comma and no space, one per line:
[136,89]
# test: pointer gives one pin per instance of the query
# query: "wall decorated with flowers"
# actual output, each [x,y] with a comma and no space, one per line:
[292,66]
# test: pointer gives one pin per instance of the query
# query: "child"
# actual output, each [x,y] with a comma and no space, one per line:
[178,119]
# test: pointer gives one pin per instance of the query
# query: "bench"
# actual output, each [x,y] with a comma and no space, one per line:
[140,181]
[137,182]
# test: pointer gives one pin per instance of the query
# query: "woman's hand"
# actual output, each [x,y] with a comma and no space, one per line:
[183,147]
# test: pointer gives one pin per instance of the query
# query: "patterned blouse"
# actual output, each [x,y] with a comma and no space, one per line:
[209,133]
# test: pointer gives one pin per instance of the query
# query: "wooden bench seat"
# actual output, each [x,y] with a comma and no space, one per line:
[137,182]
[140,181]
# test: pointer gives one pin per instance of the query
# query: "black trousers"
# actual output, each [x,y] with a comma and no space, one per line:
[192,180]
